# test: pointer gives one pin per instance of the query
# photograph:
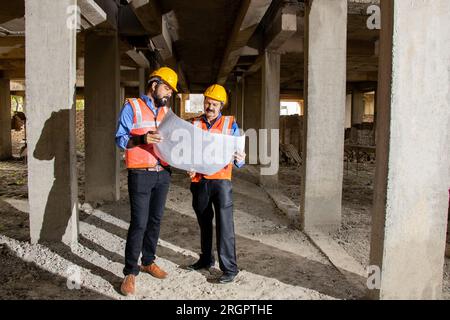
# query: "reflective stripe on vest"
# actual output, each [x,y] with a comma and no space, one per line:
[225,173]
[225,125]
[146,124]
[139,123]
[144,120]
[137,107]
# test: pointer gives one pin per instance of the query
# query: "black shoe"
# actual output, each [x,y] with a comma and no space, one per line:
[227,277]
[199,265]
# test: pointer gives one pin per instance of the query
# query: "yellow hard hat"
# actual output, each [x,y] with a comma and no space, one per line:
[168,76]
[217,92]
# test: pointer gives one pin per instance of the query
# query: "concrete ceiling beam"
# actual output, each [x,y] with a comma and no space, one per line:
[15,73]
[255,66]
[12,41]
[361,48]
[249,51]
[16,9]
[362,76]
[91,13]
[248,19]
[149,15]
[283,27]
[182,80]
[139,58]
[163,43]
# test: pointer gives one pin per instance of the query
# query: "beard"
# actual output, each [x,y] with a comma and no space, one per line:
[161,101]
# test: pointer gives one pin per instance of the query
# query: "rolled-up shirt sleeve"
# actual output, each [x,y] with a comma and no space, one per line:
[236,132]
[124,126]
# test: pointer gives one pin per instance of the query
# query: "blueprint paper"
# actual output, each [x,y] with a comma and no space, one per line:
[187,147]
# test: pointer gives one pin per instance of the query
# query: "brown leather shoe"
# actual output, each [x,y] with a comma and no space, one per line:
[154,270]
[128,285]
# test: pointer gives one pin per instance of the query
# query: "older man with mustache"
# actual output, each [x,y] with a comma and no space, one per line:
[213,194]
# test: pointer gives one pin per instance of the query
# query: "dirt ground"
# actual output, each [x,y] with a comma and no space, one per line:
[357,198]
[276,260]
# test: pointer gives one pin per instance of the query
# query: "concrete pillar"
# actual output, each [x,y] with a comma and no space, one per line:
[142,81]
[184,98]
[411,184]
[122,96]
[177,105]
[5,120]
[348,111]
[50,83]
[252,101]
[270,114]
[240,102]
[374,137]
[358,108]
[325,95]
[232,100]
[102,94]
[236,101]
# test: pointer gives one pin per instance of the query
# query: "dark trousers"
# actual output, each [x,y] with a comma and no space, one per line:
[207,194]
[148,192]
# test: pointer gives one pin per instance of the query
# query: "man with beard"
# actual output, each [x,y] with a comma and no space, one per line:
[213,194]
[148,176]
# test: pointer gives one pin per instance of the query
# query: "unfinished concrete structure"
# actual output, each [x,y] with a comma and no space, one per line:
[261,50]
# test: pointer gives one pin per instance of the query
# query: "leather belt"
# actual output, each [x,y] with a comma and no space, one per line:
[157,168]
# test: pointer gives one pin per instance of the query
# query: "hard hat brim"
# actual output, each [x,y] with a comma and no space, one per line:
[214,98]
[174,89]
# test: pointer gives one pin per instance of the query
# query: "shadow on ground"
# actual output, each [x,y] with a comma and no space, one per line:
[26,280]
[253,256]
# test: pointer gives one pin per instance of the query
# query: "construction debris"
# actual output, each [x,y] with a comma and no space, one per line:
[290,155]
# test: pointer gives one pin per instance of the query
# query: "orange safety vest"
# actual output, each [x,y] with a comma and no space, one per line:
[144,120]
[223,126]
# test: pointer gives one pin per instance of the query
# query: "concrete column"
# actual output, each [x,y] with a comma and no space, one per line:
[232,100]
[240,102]
[358,109]
[177,105]
[142,81]
[270,114]
[102,94]
[50,83]
[348,111]
[325,97]
[5,120]
[122,96]
[184,98]
[412,175]
[374,141]
[235,97]
[252,101]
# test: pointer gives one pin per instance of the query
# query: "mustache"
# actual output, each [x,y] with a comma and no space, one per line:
[209,110]
[161,101]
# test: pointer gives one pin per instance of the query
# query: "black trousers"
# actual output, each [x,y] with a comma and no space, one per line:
[207,194]
[148,193]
